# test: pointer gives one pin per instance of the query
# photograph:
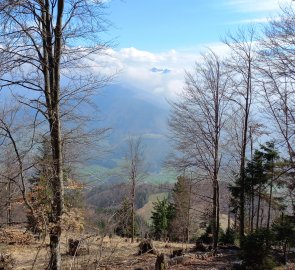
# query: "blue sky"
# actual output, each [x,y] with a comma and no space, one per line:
[158,40]
[159,25]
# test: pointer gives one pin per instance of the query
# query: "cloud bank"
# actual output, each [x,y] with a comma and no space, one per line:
[161,73]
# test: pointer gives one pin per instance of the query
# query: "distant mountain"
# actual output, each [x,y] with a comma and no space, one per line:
[131,112]
[111,196]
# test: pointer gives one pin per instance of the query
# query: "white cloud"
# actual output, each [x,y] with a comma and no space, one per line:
[158,73]
[250,21]
[254,5]
[256,20]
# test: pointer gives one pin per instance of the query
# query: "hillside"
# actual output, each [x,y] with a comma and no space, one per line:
[146,211]
[108,196]
[131,112]
[111,196]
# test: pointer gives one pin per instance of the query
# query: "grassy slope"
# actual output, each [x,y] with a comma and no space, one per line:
[164,176]
[99,174]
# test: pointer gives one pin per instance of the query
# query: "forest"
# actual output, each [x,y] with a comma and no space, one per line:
[229,198]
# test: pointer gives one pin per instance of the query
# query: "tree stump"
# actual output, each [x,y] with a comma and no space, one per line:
[177,252]
[161,262]
[6,262]
[146,246]
[73,247]
[200,247]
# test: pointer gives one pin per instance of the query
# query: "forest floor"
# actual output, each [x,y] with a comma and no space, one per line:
[108,253]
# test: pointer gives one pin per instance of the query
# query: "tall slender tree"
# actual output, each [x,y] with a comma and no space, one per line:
[277,69]
[241,62]
[38,49]
[197,122]
[135,169]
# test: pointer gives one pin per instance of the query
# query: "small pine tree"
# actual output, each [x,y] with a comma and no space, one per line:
[284,232]
[161,218]
[181,202]
[228,237]
[124,220]
[256,250]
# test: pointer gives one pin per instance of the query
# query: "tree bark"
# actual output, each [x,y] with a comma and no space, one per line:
[133,209]
[52,92]
[269,206]
[258,207]
[252,207]
[214,215]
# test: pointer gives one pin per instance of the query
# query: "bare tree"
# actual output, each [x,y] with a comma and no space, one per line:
[197,123]
[14,139]
[39,52]
[277,76]
[241,61]
[135,168]
[277,82]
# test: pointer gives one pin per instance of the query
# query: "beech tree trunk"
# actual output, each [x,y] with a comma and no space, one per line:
[242,58]
[243,154]
[51,71]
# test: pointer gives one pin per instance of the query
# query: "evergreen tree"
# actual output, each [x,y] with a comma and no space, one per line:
[284,231]
[162,215]
[271,156]
[124,220]
[260,174]
[181,202]
[255,181]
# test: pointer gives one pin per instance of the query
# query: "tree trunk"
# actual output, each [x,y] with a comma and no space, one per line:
[252,207]
[243,152]
[269,206]
[216,166]
[270,197]
[261,217]
[252,183]
[57,205]
[214,214]
[188,210]
[258,207]
[217,215]
[242,199]
[249,215]
[215,218]
[9,220]
[133,210]
[228,219]
[285,252]
[52,93]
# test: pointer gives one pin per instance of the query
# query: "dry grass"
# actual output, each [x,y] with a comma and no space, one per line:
[110,254]
[104,253]
[115,253]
